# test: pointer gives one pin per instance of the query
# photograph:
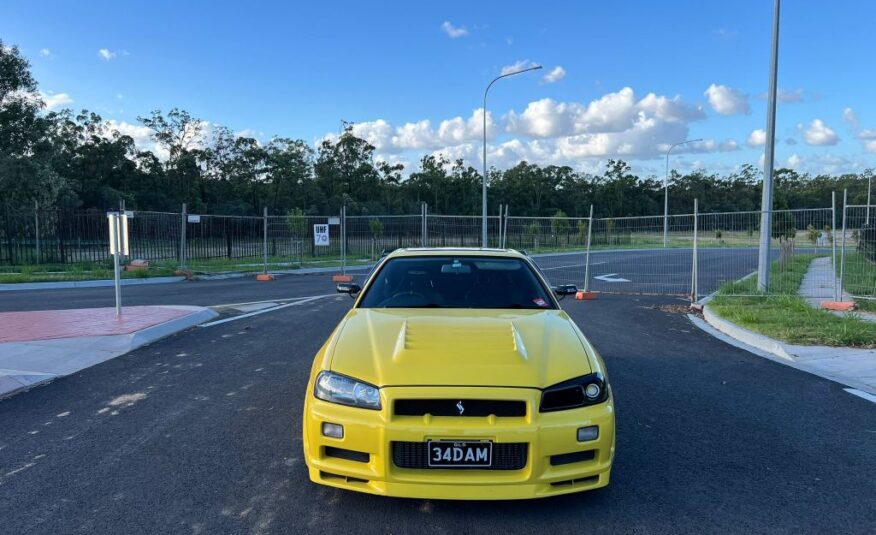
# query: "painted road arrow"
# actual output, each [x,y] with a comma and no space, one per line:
[610,277]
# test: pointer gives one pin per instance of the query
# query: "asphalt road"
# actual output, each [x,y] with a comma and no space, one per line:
[200,433]
[652,271]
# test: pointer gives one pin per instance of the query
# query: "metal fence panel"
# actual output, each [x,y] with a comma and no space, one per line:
[858,245]
[460,231]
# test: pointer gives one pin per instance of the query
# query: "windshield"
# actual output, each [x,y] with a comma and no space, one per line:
[456,282]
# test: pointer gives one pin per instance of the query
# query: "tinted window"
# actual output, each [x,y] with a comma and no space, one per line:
[456,282]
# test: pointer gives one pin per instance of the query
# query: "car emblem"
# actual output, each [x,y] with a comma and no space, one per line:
[460,407]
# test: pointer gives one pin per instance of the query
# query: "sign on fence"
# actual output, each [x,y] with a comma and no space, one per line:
[334,221]
[193,218]
[321,235]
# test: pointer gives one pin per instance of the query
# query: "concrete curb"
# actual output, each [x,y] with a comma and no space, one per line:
[803,358]
[764,343]
[101,283]
[72,355]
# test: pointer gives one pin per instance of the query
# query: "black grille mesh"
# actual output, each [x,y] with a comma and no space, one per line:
[449,407]
[506,456]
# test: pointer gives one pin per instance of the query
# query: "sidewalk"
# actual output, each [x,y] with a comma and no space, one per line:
[821,284]
[39,346]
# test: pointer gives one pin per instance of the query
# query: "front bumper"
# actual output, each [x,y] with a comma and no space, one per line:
[370,435]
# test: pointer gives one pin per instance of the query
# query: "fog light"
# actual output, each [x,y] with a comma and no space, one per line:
[337,431]
[586,434]
[592,391]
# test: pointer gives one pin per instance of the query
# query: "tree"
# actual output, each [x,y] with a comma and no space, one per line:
[26,149]
[560,223]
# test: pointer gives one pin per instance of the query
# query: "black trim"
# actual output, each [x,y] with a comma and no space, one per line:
[448,407]
[349,455]
[415,455]
[570,394]
[574,457]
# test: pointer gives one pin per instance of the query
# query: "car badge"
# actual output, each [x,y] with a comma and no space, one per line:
[460,407]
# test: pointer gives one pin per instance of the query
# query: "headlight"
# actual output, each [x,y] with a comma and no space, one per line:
[344,390]
[578,392]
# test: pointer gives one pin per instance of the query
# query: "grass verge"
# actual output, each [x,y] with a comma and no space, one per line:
[788,317]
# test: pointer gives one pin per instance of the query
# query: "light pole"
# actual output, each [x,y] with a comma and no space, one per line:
[666,192]
[484,181]
[766,201]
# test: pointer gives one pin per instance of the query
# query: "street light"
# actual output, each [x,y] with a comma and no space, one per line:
[484,181]
[666,192]
[766,200]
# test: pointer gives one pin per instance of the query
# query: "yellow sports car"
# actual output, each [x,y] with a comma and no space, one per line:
[456,375]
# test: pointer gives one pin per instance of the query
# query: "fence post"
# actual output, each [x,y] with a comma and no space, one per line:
[833,243]
[694,274]
[265,238]
[182,237]
[344,239]
[587,254]
[505,228]
[36,224]
[843,247]
[425,233]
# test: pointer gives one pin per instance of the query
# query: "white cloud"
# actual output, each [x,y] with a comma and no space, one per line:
[866,134]
[794,161]
[55,100]
[818,134]
[518,65]
[106,54]
[788,96]
[756,138]
[728,145]
[850,117]
[556,74]
[726,100]
[120,96]
[454,32]
[45,52]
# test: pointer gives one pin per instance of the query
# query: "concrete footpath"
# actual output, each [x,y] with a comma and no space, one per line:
[39,346]
[852,367]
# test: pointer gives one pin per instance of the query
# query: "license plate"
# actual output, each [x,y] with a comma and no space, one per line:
[456,454]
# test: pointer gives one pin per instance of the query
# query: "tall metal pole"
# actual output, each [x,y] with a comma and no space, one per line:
[36,224]
[695,276]
[666,192]
[117,227]
[833,243]
[869,186]
[587,254]
[182,237]
[843,247]
[766,204]
[265,238]
[484,180]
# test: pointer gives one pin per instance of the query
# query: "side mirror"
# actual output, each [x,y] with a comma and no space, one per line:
[348,288]
[565,289]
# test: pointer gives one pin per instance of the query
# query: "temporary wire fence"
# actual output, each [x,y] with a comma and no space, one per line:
[688,254]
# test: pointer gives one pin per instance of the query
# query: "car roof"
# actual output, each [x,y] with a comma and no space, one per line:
[456,251]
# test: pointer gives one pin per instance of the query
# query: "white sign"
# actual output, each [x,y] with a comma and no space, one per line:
[321,235]
[118,233]
[193,218]
[334,221]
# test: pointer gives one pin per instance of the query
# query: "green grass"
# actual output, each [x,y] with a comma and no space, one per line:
[788,317]
[73,272]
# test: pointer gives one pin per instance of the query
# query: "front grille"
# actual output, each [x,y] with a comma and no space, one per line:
[506,456]
[450,407]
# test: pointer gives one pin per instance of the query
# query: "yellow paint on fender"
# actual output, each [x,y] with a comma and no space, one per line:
[458,354]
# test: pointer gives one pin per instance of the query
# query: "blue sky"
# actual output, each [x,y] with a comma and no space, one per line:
[633,77]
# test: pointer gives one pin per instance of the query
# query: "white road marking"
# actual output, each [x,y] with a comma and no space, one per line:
[256,313]
[610,277]
[861,394]
[572,265]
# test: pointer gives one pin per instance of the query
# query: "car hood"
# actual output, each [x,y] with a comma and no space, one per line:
[465,347]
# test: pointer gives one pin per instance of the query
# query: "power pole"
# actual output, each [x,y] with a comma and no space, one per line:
[766,204]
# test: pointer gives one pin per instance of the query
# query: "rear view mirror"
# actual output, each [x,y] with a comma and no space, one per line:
[348,288]
[565,289]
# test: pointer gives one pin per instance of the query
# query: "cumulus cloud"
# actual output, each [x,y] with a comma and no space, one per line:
[818,134]
[106,54]
[850,117]
[55,100]
[794,161]
[518,65]
[45,52]
[757,138]
[616,125]
[454,32]
[728,145]
[727,101]
[555,75]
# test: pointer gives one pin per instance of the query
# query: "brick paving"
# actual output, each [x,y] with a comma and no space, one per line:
[52,324]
